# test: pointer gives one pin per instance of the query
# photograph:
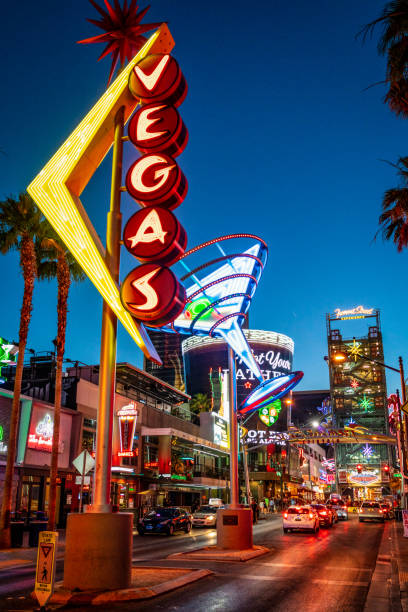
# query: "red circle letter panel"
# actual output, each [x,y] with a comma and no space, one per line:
[154,234]
[158,128]
[158,78]
[156,180]
[152,294]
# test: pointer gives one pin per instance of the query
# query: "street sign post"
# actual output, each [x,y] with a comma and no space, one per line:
[404,408]
[83,463]
[45,573]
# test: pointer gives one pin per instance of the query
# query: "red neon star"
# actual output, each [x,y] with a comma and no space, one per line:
[247,385]
[354,384]
[123,31]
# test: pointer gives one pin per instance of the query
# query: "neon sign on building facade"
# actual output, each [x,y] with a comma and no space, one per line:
[359,312]
[42,438]
[127,425]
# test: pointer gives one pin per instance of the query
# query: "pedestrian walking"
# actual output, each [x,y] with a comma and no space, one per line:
[254,508]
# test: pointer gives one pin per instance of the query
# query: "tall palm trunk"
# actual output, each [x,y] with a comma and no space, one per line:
[64,281]
[29,267]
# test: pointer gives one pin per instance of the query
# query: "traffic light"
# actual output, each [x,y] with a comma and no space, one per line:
[359,468]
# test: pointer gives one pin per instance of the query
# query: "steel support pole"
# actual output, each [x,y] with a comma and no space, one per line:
[232,383]
[246,472]
[107,368]
[404,427]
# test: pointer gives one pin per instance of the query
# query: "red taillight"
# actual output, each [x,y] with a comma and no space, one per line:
[323,512]
[380,511]
[285,515]
[310,514]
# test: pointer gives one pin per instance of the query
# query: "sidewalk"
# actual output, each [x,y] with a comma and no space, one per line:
[389,583]
[19,557]
[401,558]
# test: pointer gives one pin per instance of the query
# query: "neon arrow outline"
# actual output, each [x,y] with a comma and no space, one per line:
[57,188]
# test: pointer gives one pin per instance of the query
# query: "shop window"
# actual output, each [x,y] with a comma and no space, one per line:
[377,377]
[335,335]
[373,332]
[88,440]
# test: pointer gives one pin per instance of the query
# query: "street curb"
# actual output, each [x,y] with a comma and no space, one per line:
[383,593]
[92,598]
[211,553]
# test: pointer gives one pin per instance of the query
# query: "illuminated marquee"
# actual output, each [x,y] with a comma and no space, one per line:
[127,425]
[359,312]
[152,292]
[364,478]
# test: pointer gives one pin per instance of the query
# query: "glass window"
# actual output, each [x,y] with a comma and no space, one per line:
[298,510]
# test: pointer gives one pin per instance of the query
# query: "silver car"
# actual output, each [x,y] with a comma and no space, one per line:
[206,516]
[370,510]
[341,510]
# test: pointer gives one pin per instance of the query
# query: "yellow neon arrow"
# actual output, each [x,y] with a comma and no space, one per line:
[57,187]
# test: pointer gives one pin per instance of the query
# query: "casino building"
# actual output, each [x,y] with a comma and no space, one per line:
[206,363]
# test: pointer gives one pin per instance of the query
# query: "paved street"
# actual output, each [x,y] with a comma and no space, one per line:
[327,572]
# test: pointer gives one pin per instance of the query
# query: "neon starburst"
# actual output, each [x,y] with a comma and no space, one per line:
[366,403]
[354,383]
[123,30]
[354,350]
[367,451]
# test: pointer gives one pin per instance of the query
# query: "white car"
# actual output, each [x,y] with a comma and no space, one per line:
[300,517]
[370,510]
[206,516]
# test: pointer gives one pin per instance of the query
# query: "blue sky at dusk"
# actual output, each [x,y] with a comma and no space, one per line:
[285,142]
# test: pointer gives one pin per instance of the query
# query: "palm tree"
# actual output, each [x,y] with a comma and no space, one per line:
[393,43]
[20,222]
[394,218]
[200,403]
[55,261]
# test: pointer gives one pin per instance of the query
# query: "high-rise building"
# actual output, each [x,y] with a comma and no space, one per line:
[359,398]
[168,346]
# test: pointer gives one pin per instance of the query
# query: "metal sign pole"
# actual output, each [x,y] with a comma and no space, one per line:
[82,482]
[107,370]
[233,430]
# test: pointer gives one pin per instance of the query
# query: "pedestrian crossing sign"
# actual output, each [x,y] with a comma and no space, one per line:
[45,574]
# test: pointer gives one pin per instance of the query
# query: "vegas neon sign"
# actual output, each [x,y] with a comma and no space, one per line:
[151,292]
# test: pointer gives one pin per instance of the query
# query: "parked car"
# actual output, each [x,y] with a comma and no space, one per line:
[300,517]
[388,512]
[340,507]
[370,510]
[165,520]
[206,516]
[325,513]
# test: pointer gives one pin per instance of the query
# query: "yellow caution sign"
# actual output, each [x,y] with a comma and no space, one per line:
[46,558]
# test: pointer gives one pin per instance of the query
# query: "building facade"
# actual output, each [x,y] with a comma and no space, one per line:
[359,398]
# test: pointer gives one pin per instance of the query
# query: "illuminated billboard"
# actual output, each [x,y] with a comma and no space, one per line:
[205,357]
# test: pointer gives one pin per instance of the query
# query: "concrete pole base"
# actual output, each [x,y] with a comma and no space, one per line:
[234,528]
[98,551]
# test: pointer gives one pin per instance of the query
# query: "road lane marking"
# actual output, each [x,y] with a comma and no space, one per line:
[285,578]
[326,567]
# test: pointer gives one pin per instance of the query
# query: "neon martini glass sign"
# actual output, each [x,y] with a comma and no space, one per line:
[217,304]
